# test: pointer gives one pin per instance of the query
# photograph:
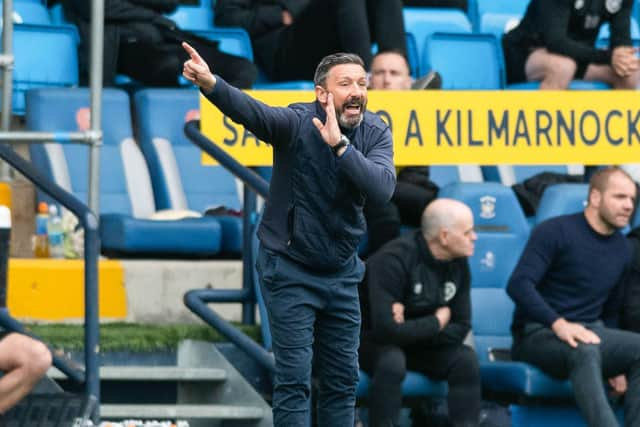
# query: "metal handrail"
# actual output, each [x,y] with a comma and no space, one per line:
[89,222]
[197,300]
[248,177]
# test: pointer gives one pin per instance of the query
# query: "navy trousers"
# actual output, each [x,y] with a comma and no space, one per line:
[314,319]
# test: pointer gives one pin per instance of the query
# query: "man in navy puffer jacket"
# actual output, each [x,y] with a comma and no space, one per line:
[329,157]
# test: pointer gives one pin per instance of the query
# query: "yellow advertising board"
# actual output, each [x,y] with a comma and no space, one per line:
[476,127]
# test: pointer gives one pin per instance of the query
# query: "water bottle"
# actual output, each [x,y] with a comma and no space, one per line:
[5,236]
[41,240]
[56,233]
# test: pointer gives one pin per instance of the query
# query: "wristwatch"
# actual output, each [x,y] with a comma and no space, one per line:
[343,142]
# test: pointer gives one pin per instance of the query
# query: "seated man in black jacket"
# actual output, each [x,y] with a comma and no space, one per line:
[141,43]
[416,313]
[554,43]
[290,37]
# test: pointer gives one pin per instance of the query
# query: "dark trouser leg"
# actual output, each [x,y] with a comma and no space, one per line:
[336,353]
[387,25]
[324,27]
[292,313]
[621,355]
[459,366]
[387,366]
[582,365]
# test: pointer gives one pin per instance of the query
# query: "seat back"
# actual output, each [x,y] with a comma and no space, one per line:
[495,207]
[492,312]
[29,12]
[193,17]
[125,187]
[562,199]
[420,22]
[444,175]
[494,258]
[180,180]
[482,8]
[234,41]
[454,54]
[512,174]
[45,56]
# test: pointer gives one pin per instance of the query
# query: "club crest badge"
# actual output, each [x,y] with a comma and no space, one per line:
[613,6]
[579,4]
[449,291]
[417,288]
[487,207]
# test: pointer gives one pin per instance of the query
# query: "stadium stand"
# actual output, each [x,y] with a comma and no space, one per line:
[126,197]
[512,174]
[419,23]
[561,199]
[180,180]
[444,175]
[196,17]
[479,8]
[45,56]
[478,52]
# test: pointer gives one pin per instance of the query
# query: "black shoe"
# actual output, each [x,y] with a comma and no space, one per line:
[432,80]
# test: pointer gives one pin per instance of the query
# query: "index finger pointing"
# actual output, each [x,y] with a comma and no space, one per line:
[192,52]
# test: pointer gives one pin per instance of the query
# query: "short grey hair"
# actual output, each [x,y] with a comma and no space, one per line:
[330,61]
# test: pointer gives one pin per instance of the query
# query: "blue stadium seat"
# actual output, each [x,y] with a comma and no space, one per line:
[194,17]
[444,175]
[496,255]
[478,52]
[491,320]
[512,174]
[562,199]
[498,23]
[29,12]
[180,180]
[45,56]
[419,23]
[495,207]
[126,198]
[483,7]
[234,41]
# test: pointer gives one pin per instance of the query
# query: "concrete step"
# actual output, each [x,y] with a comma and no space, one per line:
[209,411]
[153,373]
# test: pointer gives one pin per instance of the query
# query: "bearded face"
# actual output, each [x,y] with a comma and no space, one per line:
[351,113]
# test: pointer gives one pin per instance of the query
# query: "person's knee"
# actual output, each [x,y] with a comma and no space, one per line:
[585,354]
[629,82]
[561,69]
[391,366]
[464,366]
[40,359]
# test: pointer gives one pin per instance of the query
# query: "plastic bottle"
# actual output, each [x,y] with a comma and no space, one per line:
[56,233]
[5,237]
[41,240]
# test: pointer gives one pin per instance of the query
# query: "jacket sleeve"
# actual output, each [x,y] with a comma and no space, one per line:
[386,279]
[620,26]
[531,269]
[273,125]
[257,20]
[460,324]
[554,25]
[373,174]
[160,6]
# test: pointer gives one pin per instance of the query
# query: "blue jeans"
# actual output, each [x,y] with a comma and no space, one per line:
[312,317]
[586,366]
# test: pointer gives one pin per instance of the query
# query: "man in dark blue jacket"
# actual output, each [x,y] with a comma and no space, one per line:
[568,288]
[329,157]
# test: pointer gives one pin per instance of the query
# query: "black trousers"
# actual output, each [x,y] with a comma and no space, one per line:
[326,27]
[388,365]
